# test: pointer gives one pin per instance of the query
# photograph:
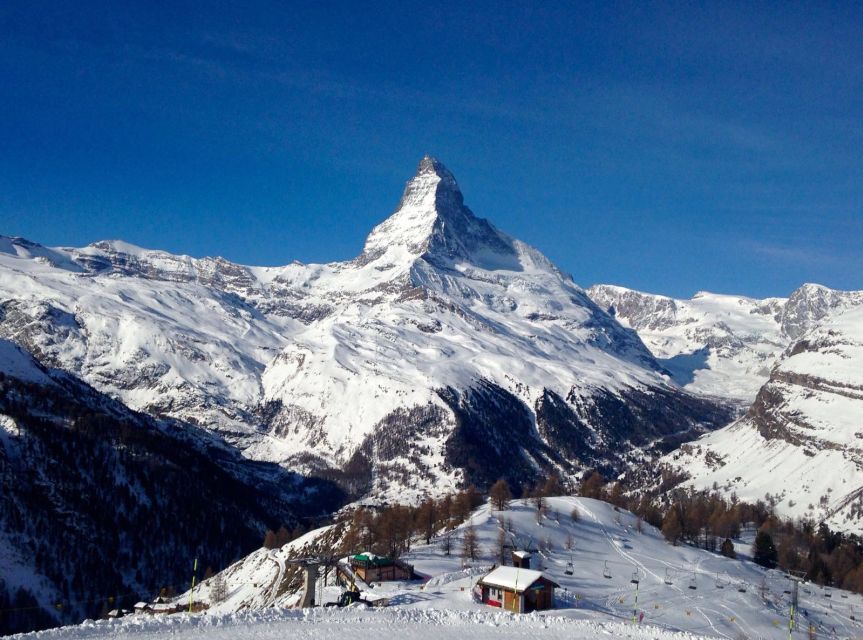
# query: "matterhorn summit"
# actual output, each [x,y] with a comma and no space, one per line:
[432,221]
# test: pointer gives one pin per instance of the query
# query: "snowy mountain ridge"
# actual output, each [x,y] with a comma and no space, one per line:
[800,441]
[396,366]
[722,345]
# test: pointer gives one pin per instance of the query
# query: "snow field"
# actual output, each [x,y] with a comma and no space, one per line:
[357,623]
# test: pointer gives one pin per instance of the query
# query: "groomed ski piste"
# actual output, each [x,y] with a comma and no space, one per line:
[682,591]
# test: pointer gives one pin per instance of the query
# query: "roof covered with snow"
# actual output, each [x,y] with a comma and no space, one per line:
[513,578]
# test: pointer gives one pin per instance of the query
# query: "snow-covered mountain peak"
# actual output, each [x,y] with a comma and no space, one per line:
[432,222]
[430,164]
[810,303]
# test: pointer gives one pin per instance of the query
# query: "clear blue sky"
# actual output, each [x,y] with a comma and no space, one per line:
[667,147]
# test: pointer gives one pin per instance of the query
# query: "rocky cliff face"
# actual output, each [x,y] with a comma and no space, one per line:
[801,442]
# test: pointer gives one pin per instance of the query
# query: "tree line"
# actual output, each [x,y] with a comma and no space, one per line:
[389,530]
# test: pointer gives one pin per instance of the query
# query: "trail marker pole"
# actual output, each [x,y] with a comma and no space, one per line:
[192,590]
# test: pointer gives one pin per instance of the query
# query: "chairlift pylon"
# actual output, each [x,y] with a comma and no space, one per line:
[606,572]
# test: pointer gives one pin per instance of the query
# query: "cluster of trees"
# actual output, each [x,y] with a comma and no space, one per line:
[827,557]
[389,530]
[500,492]
[281,537]
[706,519]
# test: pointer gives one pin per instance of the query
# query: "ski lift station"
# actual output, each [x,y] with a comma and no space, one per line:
[373,568]
[518,590]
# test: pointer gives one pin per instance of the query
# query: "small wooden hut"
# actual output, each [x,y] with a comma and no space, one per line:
[518,590]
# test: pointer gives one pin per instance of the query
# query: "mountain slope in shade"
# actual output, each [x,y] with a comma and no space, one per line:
[721,345]
[801,442]
[98,499]
[396,370]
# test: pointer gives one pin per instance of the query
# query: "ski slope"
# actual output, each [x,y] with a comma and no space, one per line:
[726,602]
[353,624]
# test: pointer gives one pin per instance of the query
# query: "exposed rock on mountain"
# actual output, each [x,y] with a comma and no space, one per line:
[719,345]
[801,443]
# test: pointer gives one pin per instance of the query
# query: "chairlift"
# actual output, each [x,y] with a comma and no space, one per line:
[692,583]
[741,587]
[606,572]
[634,579]
[667,576]
[827,592]
[719,583]
[569,568]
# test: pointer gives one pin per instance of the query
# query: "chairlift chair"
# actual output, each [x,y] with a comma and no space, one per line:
[634,579]
[606,572]
[827,593]
[667,576]
[742,587]
[569,569]
[692,583]
[719,583]
[844,595]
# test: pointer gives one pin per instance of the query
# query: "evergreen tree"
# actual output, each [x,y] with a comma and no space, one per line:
[727,549]
[764,551]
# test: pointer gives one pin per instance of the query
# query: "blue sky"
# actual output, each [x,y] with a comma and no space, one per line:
[666,147]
